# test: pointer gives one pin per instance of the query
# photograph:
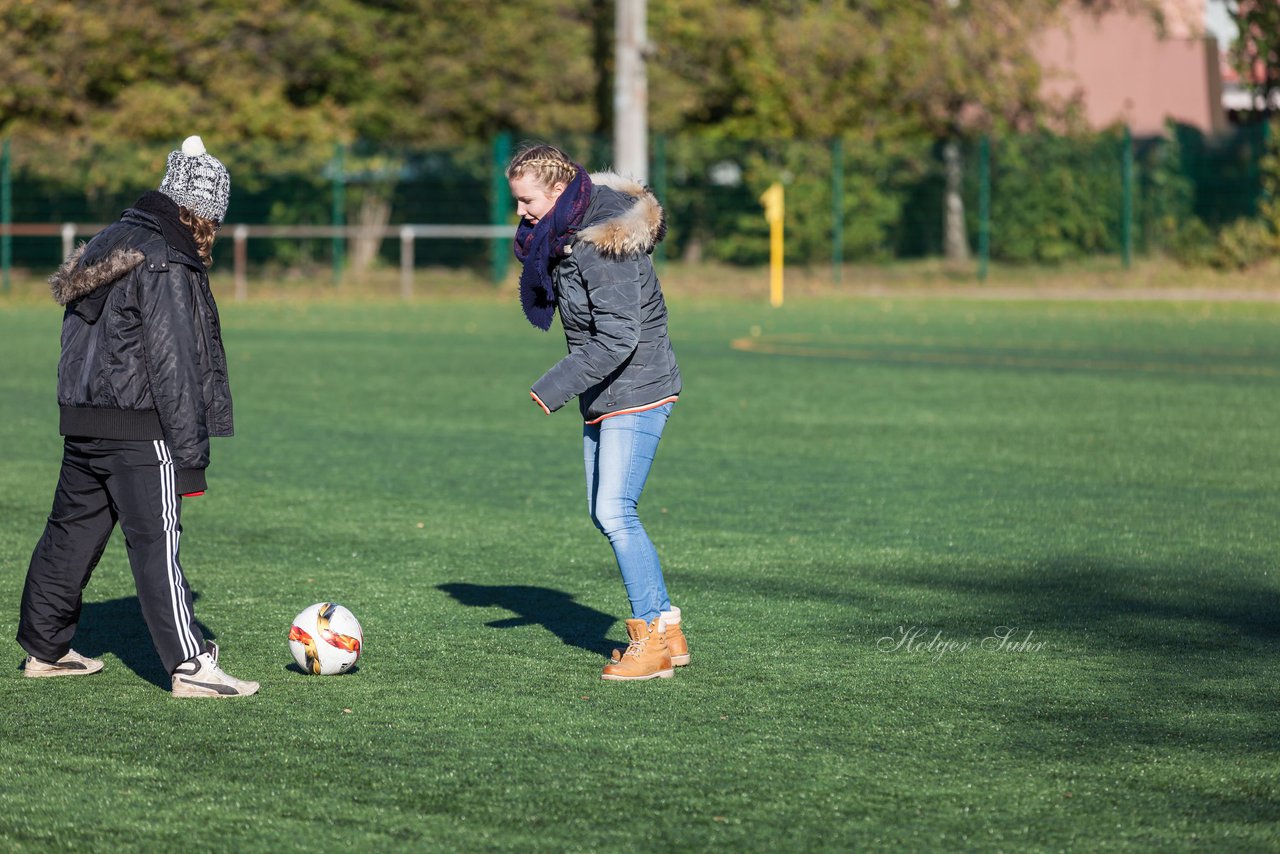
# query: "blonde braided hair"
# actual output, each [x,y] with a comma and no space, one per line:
[545,164]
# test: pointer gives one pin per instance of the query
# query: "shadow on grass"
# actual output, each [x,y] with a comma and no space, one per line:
[1173,611]
[296,670]
[1119,657]
[1126,652]
[1152,611]
[116,627]
[575,624]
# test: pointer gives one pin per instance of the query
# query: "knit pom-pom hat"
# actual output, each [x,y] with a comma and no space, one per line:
[197,180]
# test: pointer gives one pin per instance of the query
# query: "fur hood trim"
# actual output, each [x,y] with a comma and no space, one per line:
[634,231]
[72,280]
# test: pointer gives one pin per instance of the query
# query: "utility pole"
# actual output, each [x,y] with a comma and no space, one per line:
[631,92]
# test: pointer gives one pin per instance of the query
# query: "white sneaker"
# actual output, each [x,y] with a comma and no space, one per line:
[201,677]
[71,664]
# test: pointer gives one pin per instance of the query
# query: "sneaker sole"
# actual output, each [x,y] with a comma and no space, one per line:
[60,671]
[676,660]
[183,690]
[661,674]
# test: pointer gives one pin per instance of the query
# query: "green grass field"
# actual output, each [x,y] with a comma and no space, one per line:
[855,500]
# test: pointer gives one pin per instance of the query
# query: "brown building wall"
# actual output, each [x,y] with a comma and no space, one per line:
[1122,70]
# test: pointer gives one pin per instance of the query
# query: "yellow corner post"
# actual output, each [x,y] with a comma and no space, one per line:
[774,214]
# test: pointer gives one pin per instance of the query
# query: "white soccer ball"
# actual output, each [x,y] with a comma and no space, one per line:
[326,639]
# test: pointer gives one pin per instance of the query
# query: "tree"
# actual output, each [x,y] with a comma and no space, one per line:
[458,71]
[304,74]
[969,68]
[772,69]
[1256,52]
[946,69]
[972,72]
[79,79]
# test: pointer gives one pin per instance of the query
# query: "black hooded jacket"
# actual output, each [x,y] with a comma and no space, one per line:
[142,355]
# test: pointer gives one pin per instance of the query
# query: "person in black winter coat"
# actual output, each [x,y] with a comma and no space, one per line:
[585,241]
[142,385]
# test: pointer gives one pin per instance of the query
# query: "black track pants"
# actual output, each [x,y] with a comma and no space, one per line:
[102,482]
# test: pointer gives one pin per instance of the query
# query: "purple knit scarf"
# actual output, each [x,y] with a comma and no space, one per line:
[540,247]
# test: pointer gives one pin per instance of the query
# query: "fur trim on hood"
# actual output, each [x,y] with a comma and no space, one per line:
[72,280]
[636,230]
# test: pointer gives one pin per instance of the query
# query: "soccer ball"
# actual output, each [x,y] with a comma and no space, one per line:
[326,639]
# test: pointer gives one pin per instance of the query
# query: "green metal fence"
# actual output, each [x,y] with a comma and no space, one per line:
[6,216]
[1032,199]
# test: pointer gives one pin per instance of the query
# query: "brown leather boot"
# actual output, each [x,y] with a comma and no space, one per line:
[677,644]
[646,656]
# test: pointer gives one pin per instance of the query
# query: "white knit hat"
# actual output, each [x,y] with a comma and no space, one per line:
[197,180]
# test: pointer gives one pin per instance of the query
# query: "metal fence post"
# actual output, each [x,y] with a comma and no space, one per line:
[6,215]
[1257,153]
[499,206]
[339,210]
[406,262]
[984,207]
[1268,204]
[837,210]
[659,184]
[68,238]
[1126,215]
[240,236]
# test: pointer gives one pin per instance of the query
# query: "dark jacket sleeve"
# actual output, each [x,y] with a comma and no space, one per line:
[613,287]
[173,367]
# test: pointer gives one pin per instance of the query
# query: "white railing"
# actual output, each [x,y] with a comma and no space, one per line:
[242,234]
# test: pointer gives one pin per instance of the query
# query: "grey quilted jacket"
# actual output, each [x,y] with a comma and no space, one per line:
[611,308]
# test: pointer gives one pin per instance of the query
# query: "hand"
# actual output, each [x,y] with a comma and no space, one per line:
[538,401]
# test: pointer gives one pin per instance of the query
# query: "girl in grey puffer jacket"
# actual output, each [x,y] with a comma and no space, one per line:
[585,241]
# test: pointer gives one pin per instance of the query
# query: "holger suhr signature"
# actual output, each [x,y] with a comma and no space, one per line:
[926,641]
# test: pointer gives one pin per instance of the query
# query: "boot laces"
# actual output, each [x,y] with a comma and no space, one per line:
[636,647]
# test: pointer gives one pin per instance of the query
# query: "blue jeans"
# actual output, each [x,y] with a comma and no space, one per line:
[618,453]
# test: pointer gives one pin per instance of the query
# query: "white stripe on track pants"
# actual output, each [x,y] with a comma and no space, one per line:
[102,482]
